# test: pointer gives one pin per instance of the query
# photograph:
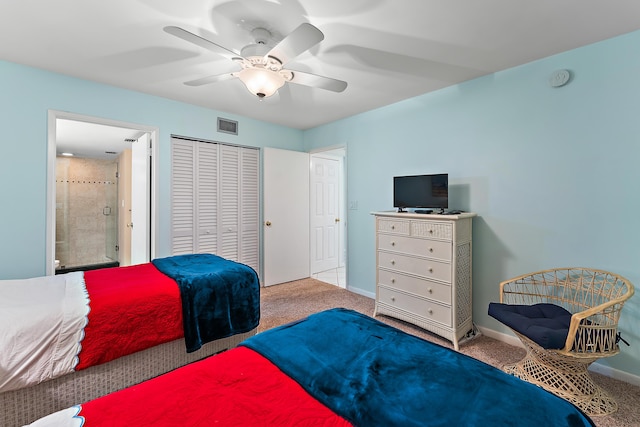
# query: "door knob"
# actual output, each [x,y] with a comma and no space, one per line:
[337,219]
[268,223]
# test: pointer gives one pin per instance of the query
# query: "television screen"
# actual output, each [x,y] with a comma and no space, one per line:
[421,191]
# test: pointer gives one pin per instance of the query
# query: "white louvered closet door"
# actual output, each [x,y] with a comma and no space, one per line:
[249,248]
[230,208]
[182,196]
[206,197]
[215,197]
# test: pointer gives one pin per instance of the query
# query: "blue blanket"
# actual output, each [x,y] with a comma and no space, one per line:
[219,297]
[375,375]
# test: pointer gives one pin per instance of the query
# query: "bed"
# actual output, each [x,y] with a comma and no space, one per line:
[334,368]
[77,336]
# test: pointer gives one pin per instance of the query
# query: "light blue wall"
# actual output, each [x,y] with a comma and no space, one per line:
[26,96]
[552,173]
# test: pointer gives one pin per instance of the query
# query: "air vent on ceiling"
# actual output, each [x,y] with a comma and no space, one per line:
[110,152]
[227,126]
[130,140]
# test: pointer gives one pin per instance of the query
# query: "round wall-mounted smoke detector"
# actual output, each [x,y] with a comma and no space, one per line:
[559,78]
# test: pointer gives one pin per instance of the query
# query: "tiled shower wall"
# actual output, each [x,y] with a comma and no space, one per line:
[86,211]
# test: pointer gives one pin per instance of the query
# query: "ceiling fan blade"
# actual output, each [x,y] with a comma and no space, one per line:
[209,79]
[202,42]
[299,40]
[327,83]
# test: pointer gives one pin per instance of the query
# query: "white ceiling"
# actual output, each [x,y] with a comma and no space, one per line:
[387,50]
[98,141]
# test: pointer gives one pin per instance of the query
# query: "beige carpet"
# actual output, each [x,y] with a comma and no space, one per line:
[294,300]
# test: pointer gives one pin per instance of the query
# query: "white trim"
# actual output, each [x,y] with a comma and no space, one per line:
[616,374]
[597,367]
[502,337]
[362,292]
[50,231]
[155,227]
[330,152]
[329,148]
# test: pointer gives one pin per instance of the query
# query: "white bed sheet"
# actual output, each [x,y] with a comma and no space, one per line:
[43,322]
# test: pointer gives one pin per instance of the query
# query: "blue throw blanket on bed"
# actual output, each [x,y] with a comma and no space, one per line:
[375,375]
[220,297]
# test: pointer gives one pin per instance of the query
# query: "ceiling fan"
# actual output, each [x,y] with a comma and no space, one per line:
[262,69]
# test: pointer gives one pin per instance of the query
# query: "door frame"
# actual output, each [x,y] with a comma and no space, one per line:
[50,238]
[313,246]
[338,151]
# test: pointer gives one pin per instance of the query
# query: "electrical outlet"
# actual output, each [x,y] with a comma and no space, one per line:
[353,205]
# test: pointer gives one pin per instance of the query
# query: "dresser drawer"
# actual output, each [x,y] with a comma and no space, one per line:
[396,226]
[415,305]
[425,288]
[432,229]
[412,246]
[430,269]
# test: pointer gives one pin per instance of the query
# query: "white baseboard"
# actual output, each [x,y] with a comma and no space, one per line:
[505,338]
[616,374]
[596,367]
[359,291]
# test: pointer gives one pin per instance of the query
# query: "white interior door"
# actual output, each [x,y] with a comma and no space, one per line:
[124,207]
[286,215]
[325,212]
[140,200]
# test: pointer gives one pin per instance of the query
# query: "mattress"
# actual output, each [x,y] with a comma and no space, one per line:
[334,368]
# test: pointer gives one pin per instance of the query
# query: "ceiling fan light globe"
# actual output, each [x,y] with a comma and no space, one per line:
[260,82]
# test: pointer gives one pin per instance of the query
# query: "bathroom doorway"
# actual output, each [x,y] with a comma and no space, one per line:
[86,212]
[100,193]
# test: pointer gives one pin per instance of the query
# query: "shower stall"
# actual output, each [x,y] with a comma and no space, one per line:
[86,213]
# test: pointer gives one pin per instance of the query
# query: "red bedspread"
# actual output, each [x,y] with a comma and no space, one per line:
[235,388]
[131,308]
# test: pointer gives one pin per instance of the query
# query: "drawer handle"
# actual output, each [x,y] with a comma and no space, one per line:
[393,262]
[393,280]
[430,311]
[393,299]
[430,231]
[393,227]
[430,269]
[393,243]
[430,290]
[430,249]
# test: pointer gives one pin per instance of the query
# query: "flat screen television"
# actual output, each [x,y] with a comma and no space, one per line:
[421,191]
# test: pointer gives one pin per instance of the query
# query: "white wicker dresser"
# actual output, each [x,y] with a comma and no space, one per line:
[423,277]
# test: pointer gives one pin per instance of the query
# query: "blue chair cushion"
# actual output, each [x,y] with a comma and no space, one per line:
[545,324]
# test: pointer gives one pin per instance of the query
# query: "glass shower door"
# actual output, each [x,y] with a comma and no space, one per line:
[110,212]
[86,213]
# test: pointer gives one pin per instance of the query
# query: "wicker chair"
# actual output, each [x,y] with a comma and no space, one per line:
[594,299]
